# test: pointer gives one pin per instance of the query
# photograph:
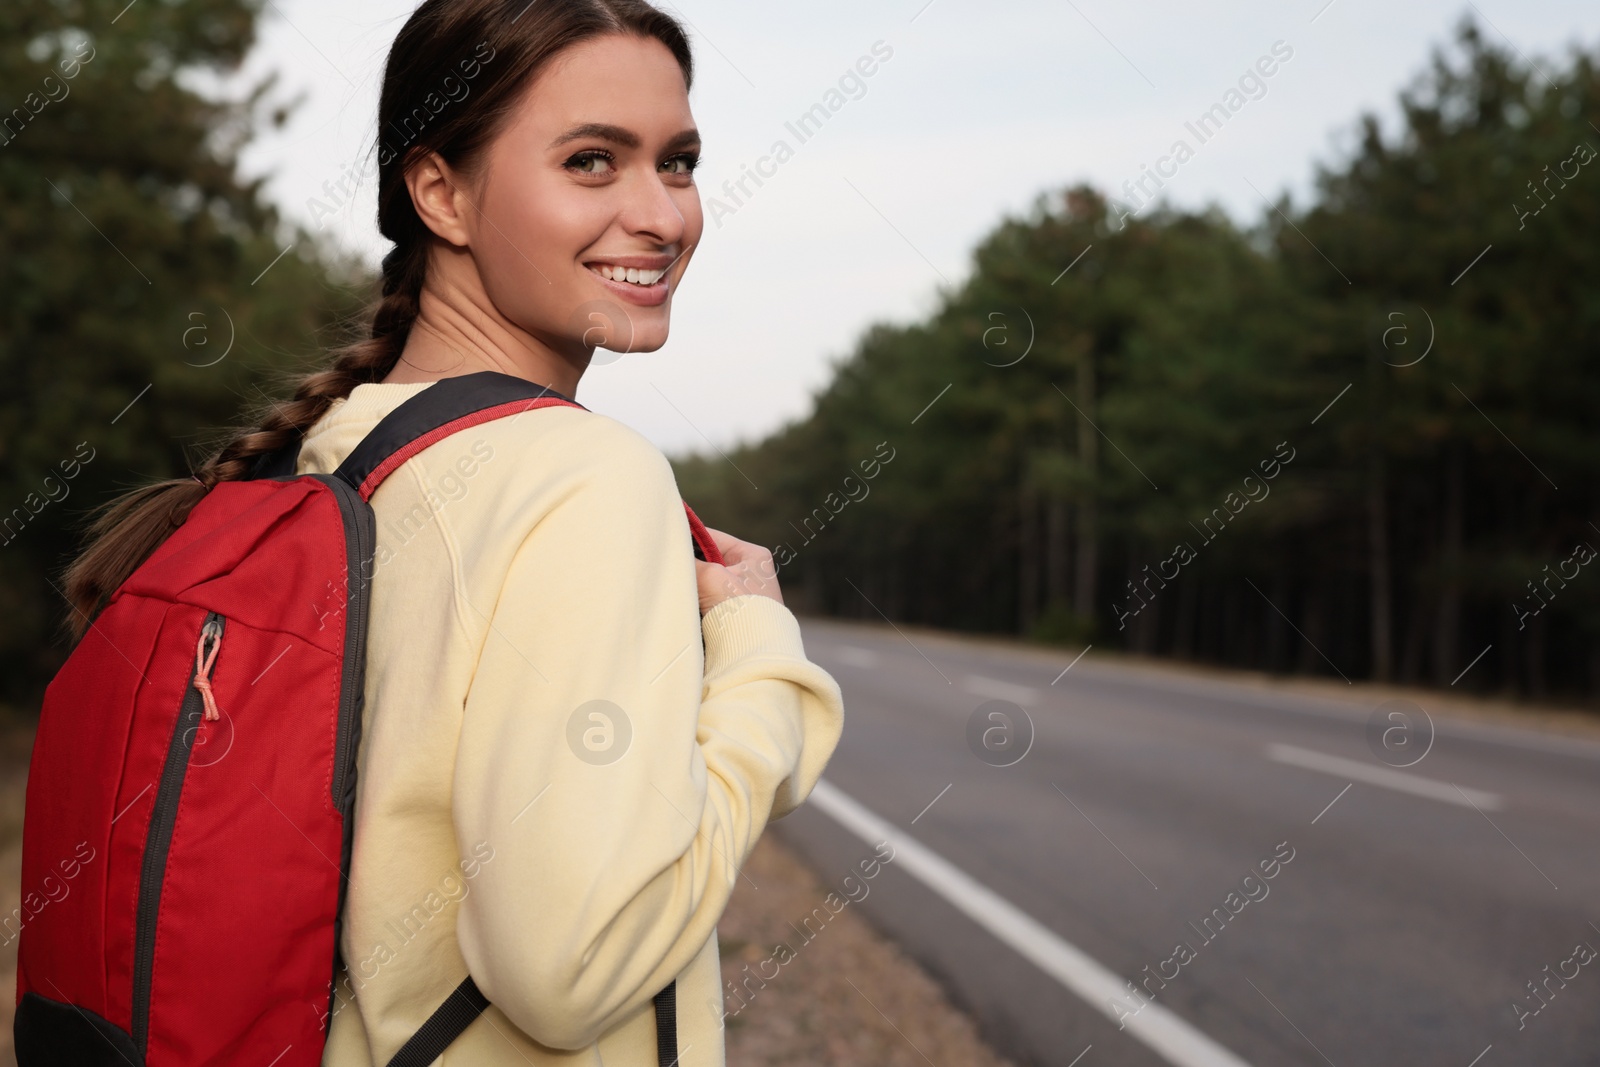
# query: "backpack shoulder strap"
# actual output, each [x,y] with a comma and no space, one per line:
[443,402]
[466,1002]
[445,407]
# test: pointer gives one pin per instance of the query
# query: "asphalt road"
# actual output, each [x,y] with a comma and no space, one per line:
[1418,905]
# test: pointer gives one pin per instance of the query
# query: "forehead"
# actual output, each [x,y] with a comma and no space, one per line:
[619,79]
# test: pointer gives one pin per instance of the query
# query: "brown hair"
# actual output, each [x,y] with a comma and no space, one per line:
[493,48]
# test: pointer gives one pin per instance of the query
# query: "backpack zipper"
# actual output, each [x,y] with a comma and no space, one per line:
[198,705]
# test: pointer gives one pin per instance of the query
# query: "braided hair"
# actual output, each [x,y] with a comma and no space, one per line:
[490,51]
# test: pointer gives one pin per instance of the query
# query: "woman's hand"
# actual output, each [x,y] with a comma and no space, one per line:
[746,568]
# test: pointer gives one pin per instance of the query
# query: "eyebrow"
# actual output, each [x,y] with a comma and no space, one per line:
[624,137]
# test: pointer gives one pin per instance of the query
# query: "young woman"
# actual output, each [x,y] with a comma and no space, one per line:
[574,732]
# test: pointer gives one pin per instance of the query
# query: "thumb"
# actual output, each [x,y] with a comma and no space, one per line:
[728,545]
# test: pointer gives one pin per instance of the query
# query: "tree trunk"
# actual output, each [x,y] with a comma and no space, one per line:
[1447,627]
[1027,557]
[1416,639]
[1538,685]
[1378,567]
[1277,631]
[1188,607]
[1088,454]
[1311,624]
[1055,551]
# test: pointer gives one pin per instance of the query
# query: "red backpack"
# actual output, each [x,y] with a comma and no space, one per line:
[177,916]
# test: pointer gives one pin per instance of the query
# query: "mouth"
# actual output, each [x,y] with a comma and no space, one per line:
[638,279]
[640,271]
[627,275]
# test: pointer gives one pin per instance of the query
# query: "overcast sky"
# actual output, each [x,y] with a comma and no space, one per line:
[978,109]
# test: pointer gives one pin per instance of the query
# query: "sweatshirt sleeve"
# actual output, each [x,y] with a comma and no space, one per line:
[620,770]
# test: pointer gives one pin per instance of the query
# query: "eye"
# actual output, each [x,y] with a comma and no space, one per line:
[594,161]
[683,164]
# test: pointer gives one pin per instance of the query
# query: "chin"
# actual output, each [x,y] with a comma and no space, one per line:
[631,331]
[605,323]
[649,338]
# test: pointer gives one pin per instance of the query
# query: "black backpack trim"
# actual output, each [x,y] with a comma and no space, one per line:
[467,1002]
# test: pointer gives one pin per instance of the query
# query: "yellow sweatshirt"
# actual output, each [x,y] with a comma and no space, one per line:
[557,784]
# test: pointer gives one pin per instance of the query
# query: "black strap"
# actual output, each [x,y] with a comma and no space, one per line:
[441,403]
[467,1003]
[444,401]
[666,1003]
[447,1022]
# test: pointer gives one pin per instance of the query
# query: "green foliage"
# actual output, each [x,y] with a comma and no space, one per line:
[1043,495]
[135,254]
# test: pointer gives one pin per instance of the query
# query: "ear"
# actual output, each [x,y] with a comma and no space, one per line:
[440,201]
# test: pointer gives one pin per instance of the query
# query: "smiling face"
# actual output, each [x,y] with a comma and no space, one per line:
[585,212]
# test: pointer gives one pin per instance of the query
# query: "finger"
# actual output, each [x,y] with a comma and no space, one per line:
[722,540]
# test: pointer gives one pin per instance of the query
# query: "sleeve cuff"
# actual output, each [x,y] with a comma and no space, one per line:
[748,626]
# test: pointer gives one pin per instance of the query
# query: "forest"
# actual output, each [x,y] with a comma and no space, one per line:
[152,295]
[1353,437]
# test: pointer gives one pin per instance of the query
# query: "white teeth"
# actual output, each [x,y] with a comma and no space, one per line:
[630,274]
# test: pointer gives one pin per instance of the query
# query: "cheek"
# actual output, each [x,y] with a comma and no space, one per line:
[531,237]
[694,218]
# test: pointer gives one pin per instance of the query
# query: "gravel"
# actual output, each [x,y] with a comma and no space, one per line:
[846,996]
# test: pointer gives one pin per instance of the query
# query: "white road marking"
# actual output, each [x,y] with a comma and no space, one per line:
[1387,777]
[1165,1033]
[995,689]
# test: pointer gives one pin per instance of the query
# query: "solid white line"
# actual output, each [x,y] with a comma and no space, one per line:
[1384,776]
[978,685]
[1173,1039]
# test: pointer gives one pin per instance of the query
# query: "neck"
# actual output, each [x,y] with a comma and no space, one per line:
[458,330]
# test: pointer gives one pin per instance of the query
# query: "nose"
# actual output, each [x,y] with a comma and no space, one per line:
[649,210]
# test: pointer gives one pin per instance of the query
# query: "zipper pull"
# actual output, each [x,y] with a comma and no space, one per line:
[202,665]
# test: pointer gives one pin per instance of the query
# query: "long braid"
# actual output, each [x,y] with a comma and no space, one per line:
[365,361]
[126,531]
[444,42]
